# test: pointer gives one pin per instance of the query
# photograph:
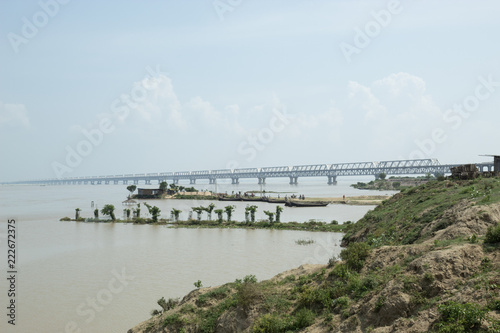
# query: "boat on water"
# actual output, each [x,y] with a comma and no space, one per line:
[229,199]
[276,200]
[302,203]
[251,199]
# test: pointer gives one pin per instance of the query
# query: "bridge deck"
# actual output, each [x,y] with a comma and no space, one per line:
[398,167]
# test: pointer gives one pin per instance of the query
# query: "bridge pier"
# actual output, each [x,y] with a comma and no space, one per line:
[192,181]
[294,180]
[115,182]
[235,180]
[332,180]
[106,182]
[125,182]
[211,180]
[136,182]
[92,182]
[148,182]
[176,181]
[99,182]
[262,180]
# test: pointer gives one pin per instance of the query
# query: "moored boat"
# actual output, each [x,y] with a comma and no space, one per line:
[229,199]
[276,200]
[251,199]
[302,203]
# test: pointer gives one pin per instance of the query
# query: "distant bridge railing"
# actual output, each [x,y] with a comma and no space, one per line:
[331,171]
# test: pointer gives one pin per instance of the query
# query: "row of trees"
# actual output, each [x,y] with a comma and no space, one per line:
[109,210]
[249,213]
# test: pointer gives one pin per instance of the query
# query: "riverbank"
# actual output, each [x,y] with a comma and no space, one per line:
[195,224]
[360,200]
[393,183]
[427,259]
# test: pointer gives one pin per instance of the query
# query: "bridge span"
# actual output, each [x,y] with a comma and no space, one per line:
[330,171]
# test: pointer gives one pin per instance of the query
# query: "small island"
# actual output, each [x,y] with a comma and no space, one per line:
[381,183]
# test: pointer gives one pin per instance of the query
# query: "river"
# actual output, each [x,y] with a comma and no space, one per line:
[95,277]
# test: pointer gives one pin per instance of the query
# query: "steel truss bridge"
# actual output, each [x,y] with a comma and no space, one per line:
[330,171]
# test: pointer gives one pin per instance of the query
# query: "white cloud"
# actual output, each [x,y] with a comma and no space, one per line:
[14,115]
[397,110]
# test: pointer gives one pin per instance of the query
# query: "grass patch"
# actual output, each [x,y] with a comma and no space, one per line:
[456,317]
[305,241]
[401,219]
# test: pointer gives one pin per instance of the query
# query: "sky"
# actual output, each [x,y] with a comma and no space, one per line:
[114,87]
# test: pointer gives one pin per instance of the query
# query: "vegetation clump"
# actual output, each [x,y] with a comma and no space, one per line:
[493,234]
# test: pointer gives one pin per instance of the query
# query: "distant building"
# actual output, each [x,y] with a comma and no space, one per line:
[149,191]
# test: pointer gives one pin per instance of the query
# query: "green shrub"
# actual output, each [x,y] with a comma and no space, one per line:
[65,219]
[493,234]
[198,284]
[274,323]
[303,318]
[456,317]
[494,305]
[208,318]
[248,292]
[472,239]
[341,271]
[167,305]
[218,293]
[341,302]
[271,323]
[380,303]
[173,320]
[289,278]
[355,254]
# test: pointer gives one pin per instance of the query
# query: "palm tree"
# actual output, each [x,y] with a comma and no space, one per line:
[247,214]
[128,213]
[96,213]
[138,210]
[175,214]
[209,210]
[270,215]
[252,209]
[198,211]
[219,214]
[154,211]
[229,211]
[109,210]
[279,209]
[77,213]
